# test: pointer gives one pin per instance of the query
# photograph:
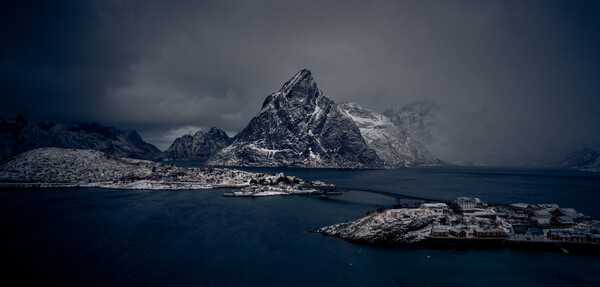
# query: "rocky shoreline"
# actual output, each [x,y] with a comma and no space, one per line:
[436,225]
[388,227]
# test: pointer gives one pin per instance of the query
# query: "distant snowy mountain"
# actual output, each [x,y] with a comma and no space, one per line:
[585,159]
[17,136]
[300,126]
[201,146]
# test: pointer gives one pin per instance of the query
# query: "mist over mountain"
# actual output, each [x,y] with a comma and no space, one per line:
[476,137]
[444,130]
[585,157]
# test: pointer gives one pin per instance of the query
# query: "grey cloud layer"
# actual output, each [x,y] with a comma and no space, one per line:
[531,67]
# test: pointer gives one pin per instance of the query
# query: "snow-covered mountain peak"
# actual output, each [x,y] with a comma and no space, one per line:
[298,99]
[302,79]
[300,126]
[298,91]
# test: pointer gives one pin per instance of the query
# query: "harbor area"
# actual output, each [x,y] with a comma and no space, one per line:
[470,221]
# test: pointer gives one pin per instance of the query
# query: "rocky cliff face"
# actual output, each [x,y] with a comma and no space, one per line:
[17,136]
[201,146]
[300,126]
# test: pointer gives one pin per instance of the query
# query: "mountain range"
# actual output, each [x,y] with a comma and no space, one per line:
[300,126]
[297,126]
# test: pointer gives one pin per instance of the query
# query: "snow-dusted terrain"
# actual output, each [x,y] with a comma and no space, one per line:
[407,225]
[392,226]
[411,225]
[58,167]
[299,126]
[487,224]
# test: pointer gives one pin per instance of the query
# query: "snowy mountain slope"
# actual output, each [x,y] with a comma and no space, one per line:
[201,146]
[18,136]
[300,126]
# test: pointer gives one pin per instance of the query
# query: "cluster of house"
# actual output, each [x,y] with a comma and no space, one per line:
[547,213]
[466,206]
[518,222]
[556,223]
[460,232]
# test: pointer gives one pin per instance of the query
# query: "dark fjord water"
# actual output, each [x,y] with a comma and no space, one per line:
[97,237]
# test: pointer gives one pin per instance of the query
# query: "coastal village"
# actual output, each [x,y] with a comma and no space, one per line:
[470,218]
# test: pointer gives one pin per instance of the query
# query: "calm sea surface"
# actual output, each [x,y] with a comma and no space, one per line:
[98,237]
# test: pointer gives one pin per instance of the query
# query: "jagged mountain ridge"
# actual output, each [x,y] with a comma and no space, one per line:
[199,147]
[18,136]
[299,126]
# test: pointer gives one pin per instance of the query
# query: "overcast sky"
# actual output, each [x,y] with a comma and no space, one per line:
[172,67]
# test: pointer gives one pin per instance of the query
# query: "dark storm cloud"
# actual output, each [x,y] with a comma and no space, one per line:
[530,67]
[58,59]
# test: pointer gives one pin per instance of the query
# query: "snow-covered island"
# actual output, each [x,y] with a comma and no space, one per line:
[58,167]
[469,221]
[392,226]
